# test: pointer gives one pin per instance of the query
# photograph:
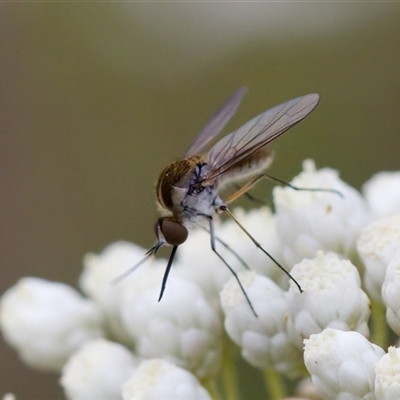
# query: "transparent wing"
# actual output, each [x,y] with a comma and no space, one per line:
[216,123]
[257,133]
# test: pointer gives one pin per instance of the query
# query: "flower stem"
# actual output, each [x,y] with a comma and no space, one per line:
[212,389]
[379,330]
[274,384]
[229,376]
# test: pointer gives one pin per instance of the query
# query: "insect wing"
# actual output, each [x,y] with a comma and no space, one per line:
[257,133]
[216,123]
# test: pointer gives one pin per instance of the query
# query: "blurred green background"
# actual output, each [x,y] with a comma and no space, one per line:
[96,98]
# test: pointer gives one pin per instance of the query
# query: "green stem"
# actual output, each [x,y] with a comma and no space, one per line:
[274,384]
[229,376]
[379,329]
[212,389]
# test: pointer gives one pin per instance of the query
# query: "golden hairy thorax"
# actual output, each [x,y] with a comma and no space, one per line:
[175,174]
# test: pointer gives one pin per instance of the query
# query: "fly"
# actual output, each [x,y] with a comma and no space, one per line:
[187,190]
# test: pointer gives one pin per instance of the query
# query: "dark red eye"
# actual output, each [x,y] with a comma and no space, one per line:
[173,232]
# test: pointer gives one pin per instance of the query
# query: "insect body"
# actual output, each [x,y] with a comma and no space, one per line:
[187,190]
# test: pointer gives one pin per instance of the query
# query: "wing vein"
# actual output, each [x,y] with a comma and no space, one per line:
[258,132]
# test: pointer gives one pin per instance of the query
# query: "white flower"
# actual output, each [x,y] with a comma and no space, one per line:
[97,371]
[260,223]
[382,193]
[308,221]
[9,396]
[97,281]
[390,293]
[377,246]
[198,262]
[158,379]
[54,328]
[183,327]
[46,321]
[341,364]
[263,339]
[387,381]
[332,298]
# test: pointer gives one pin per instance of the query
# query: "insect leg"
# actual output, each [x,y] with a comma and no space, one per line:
[224,208]
[229,248]
[166,273]
[246,187]
[255,199]
[303,189]
[243,190]
[148,254]
[212,236]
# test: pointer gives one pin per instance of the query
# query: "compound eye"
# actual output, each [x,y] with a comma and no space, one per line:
[173,232]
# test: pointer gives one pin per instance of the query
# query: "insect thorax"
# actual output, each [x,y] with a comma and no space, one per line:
[181,191]
[177,174]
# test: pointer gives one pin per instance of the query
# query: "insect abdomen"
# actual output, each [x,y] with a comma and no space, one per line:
[247,167]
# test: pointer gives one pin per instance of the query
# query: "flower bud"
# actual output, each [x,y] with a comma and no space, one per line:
[390,293]
[332,297]
[377,246]
[341,364]
[46,321]
[310,220]
[97,371]
[382,193]
[263,339]
[387,381]
[158,379]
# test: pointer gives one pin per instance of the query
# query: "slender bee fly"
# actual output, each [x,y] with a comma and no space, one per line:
[187,189]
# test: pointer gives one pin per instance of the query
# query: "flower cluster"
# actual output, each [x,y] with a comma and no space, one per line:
[116,341]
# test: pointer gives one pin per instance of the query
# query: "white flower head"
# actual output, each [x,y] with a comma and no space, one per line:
[100,272]
[390,293]
[183,327]
[198,262]
[259,223]
[387,381]
[377,246]
[158,379]
[332,298]
[341,364]
[263,339]
[46,321]
[97,370]
[382,193]
[308,221]
[9,396]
